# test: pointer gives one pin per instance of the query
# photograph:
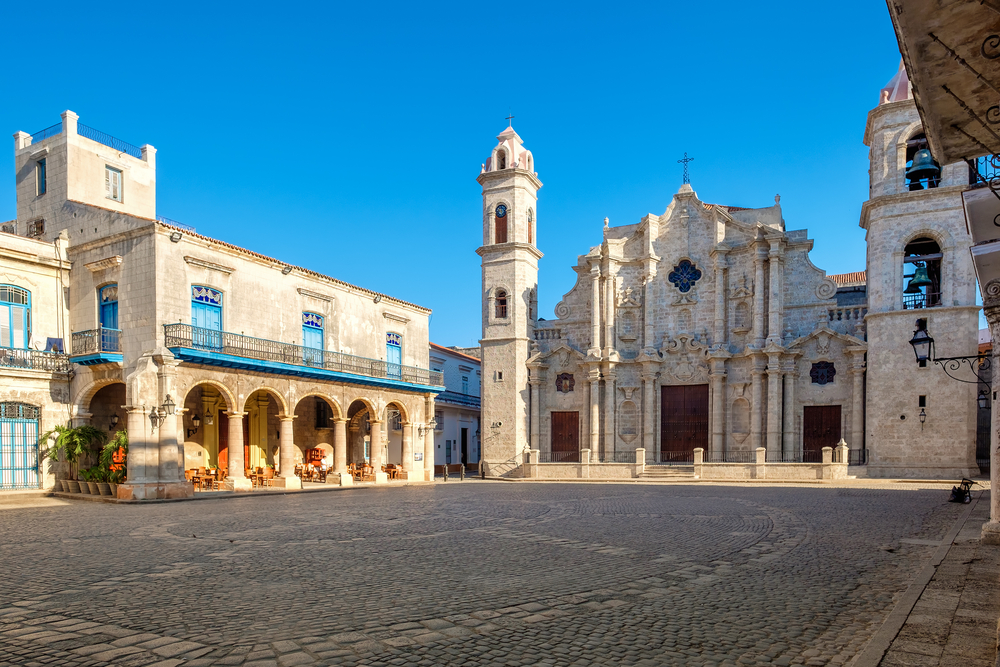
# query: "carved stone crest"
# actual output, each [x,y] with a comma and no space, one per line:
[565,383]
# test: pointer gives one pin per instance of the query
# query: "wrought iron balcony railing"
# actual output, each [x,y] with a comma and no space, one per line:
[55,362]
[93,341]
[108,140]
[51,131]
[260,349]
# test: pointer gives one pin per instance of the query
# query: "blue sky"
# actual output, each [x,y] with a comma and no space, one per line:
[347,138]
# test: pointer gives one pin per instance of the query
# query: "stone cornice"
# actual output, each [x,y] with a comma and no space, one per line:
[106,263]
[899,197]
[314,295]
[205,264]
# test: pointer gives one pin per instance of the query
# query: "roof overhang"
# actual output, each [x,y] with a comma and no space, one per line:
[951,50]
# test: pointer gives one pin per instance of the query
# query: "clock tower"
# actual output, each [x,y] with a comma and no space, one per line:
[509,294]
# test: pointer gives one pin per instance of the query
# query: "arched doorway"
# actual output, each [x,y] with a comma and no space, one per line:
[206,432]
[396,421]
[262,430]
[106,408]
[359,432]
[314,430]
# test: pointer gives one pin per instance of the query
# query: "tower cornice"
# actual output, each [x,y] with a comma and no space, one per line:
[942,192]
[482,251]
[505,174]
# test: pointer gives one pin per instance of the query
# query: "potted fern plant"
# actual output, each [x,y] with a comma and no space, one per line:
[74,444]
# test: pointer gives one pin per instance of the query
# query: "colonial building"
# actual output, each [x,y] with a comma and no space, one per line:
[209,354]
[457,433]
[708,326]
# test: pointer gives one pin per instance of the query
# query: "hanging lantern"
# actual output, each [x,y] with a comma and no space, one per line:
[921,342]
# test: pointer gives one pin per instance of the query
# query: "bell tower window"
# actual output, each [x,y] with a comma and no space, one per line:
[922,271]
[922,170]
[501,224]
[531,227]
[501,305]
[501,160]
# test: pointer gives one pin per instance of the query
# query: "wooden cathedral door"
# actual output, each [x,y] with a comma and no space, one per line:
[565,437]
[683,421]
[820,428]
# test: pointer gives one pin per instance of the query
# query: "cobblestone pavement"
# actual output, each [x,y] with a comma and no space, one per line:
[484,573]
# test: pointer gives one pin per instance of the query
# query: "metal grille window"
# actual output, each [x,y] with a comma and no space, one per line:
[822,372]
[36,228]
[922,274]
[323,413]
[501,305]
[113,183]
[18,446]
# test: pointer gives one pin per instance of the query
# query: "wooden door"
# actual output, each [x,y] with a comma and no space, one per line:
[222,424]
[683,421]
[820,428]
[566,437]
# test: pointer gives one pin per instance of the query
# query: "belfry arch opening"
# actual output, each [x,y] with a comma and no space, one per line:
[922,274]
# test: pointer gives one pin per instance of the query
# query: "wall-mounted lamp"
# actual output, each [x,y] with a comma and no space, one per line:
[176,236]
[923,418]
[196,422]
[155,418]
[209,418]
[114,422]
[286,270]
[983,399]
[158,415]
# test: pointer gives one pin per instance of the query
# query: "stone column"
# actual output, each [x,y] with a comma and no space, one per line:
[286,454]
[595,409]
[595,310]
[352,443]
[179,426]
[757,405]
[536,416]
[718,379]
[758,295]
[648,332]
[991,301]
[340,446]
[789,443]
[774,311]
[236,479]
[429,438]
[375,446]
[407,448]
[719,333]
[774,384]
[609,311]
[608,446]
[649,409]
[168,449]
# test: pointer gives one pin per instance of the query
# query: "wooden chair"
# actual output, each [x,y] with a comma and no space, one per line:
[368,474]
[267,478]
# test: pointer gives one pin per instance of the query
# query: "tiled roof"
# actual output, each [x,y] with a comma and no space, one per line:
[853,279]
[456,353]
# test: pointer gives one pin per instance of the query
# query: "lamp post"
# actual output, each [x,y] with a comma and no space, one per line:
[923,349]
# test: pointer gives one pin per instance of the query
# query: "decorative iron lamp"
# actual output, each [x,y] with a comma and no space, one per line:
[114,422]
[209,418]
[169,405]
[155,418]
[983,399]
[923,344]
[196,422]
[923,417]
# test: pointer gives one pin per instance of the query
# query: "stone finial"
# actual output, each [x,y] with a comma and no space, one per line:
[777,199]
[605,222]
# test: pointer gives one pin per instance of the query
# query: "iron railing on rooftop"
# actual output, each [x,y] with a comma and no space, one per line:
[108,140]
[42,135]
[174,223]
[92,341]
[55,362]
[248,347]
[984,169]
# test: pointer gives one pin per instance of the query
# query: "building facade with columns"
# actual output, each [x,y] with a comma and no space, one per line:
[263,360]
[708,326]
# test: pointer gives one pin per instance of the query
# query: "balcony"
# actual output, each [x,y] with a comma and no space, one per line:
[221,348]
[53,362]
[456,398]
[97,346]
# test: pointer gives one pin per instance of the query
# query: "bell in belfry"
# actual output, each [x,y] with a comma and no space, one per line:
[919,279]
[923,166]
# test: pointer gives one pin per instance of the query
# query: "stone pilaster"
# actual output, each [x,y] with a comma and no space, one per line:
[789,443]
[610,282]
[775,262]
[407,447]
[774,385]
[760,256]
[757,403]
[857,399]
[375,446]
[429,437]
[719,331]
[535,381]
[649,407]
[595,409]
[610,380]
[717,377]
[595,309]
[236,479]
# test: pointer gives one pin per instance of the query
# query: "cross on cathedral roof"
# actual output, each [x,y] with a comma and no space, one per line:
[687,176]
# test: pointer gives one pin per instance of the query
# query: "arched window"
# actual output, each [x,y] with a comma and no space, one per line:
[922,274]
[501,305]
[501,159]
[922,170]
[501,224]
[15,316]
[531,226]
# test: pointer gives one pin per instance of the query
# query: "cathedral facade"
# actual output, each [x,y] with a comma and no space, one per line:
[708,326]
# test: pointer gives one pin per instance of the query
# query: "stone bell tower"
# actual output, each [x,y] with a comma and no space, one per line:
[920,422]
[510,284]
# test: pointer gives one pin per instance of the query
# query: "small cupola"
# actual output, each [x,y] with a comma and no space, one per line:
[509,153]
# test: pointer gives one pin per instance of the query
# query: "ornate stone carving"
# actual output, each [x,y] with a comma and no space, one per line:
[563,311]
[565,383]
[826,289]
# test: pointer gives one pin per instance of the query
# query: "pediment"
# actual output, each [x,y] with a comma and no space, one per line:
[830,335]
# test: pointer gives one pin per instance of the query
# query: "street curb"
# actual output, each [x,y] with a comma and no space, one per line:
[873,652]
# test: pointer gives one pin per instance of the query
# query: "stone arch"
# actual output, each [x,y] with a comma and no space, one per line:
[358,406]
[330,400]
[272,392]
[501,158]
[404,412]
[227,394]
[81,404]
[916,127]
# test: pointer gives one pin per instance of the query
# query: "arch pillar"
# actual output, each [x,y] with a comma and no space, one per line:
[376,452]
[236,479]
[286,455]
[407,448]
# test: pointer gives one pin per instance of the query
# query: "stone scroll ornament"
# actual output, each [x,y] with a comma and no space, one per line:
[826,289]
[562,310]
[565,383]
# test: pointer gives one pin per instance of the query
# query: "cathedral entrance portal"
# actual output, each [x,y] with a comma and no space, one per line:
[820,428]
[565,437]
[683,421]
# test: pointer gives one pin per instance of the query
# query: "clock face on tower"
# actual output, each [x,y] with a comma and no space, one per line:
[501,210]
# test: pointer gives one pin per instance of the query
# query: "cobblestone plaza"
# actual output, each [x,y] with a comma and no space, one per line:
[467,573]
